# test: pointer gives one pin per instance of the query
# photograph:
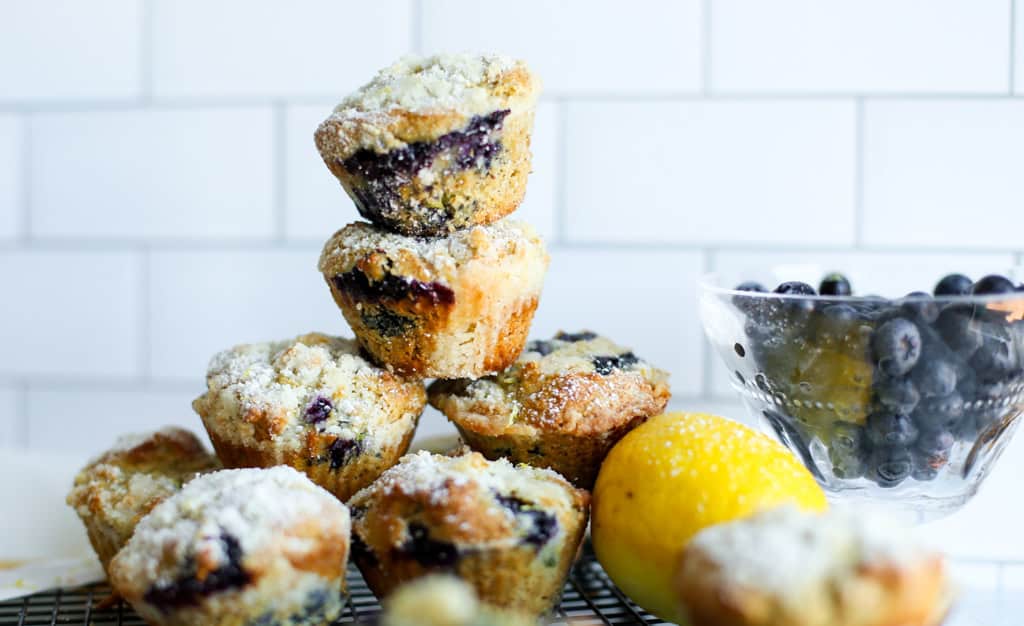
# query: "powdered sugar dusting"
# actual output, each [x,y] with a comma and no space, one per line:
[464,82]
[251,505]
[783,550]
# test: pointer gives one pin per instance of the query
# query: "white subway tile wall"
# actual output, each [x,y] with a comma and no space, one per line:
[161,197]
[12,144]
[850,46]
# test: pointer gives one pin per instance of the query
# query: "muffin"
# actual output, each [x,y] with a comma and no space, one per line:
[238,547]
[784,567]
[444,600]
[114,491]
[435,144]
[458,306]
[511,532]
[563,404]
[313,403]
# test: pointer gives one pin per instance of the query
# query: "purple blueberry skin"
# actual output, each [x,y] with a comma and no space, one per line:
[360,287]
[426,551]
[190,590]
[605,365]
[343,451]
[993,284]
[896,345]
[954,285]
[318,410]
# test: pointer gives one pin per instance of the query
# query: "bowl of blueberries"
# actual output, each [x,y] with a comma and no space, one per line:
[905,403]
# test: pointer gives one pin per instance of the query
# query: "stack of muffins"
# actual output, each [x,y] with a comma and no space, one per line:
[435,153]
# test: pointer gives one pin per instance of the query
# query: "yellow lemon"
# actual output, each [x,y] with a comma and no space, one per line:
[675,475]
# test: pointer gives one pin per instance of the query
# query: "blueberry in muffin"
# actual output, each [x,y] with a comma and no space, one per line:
[563,404]
[314,403]
[451,307]
[435,144]
[115,490]
[247,546]
[512,532]
[785,567]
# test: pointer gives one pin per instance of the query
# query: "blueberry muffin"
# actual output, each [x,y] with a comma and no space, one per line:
[238,547]
[511,532]
[785,567]
[457,306]
[563,404]
[435,144]
[444,600]
[114,491]
[313,403]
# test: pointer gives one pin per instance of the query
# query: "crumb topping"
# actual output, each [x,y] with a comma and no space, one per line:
[256,507]
[377,252]
[282,390]
[469,83]
[783,550]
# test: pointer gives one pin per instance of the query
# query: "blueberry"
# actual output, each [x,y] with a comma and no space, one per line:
[931,453]
[585,335]
[543,348]
[749,304]
[750,285]
[385,323]
[544,526]
[318,410]
[188,590]
[939,413]
[993,284]
[890,465]
[342,451]
[959,329]
[838,320]
[888,428]
[426,551]
[835,284]
[897,394]
[935,442]
[921,307]
[795,288]
[954,285]
[935,378]
[966,429]
[997,358]
[605,365]
[896,345]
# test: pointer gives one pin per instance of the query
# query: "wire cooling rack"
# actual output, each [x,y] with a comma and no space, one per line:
[589,597]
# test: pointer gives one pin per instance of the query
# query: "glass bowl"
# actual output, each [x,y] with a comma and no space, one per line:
[904,403]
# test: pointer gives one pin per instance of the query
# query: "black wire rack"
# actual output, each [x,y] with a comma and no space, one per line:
[589,597]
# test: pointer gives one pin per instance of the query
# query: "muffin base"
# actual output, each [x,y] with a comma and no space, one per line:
[472,176]
[467,338]
[507,578]
[342,482]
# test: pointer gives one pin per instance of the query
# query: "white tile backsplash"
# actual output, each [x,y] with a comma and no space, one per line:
[262,48]
[203,302]
[10,416]
[12,131]
[580,45]
[847,46]
[944,173]
[56,50]
[70,314]
[711,172]
[153,174]
[161,197]
[639,299]
[90,420]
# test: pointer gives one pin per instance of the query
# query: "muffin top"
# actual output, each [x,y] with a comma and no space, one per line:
[225,529]
[444,600]
[140,470]
[785,551]
[418,98]
[453,500]
[284,393]
[575,382]
[378,254]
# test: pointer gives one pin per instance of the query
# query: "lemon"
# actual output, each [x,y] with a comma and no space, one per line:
[675,475]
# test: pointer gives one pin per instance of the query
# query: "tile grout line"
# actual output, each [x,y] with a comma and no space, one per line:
[146,52]
[706,48]
[858,175]
[26,179]
[280,164]
[561,169]
[707,358]
[416,42]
